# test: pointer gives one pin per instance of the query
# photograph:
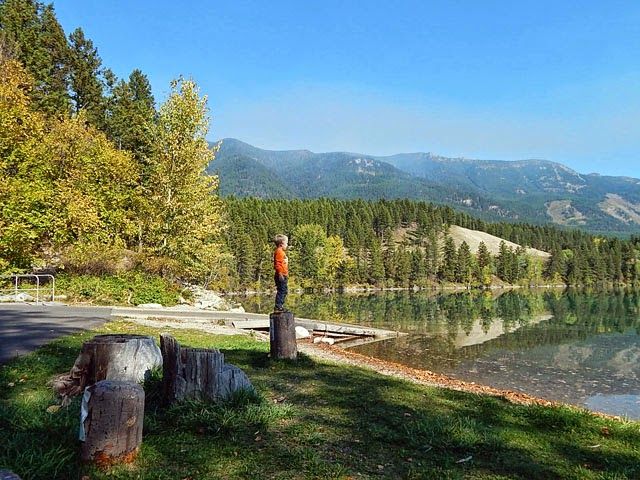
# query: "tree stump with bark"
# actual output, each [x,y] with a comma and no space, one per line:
[282,336]
[198,373]
[111,420]
[110,357]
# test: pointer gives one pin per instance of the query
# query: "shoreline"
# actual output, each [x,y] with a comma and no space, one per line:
[372,289]
[433,379]
[340,355]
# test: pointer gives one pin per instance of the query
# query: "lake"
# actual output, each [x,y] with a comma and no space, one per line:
[574,347]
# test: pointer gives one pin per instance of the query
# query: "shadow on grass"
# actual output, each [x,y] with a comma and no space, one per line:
[316,420]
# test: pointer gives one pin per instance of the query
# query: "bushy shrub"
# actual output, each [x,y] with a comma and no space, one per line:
[130,288]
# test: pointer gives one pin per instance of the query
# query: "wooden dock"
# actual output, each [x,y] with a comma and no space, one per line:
[328,332]
[344,334]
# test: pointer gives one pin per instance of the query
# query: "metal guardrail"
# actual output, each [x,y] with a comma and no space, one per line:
[17,286]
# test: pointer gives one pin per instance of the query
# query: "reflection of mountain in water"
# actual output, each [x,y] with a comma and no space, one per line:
[601,365]
[479,333]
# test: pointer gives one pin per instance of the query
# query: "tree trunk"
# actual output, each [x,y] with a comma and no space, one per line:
[282,335]
[111,420]
[198,373]
[110,357]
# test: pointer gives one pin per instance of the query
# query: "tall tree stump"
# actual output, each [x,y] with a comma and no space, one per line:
[111,419]
[127,358]
[282,336]
[198,373]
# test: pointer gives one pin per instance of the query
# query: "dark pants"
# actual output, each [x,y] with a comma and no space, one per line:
[281,290]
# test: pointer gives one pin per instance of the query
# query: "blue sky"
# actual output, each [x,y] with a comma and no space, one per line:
[479,79]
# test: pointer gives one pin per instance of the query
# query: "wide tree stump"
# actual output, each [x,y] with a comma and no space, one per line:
[282,336]
[127,358]
[197,373]
[111,420]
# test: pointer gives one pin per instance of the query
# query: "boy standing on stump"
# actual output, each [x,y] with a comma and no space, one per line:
[281,266]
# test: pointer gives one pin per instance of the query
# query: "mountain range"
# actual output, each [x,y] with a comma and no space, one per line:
[535,191]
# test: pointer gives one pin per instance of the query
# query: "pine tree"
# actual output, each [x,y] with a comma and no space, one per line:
[464,264]
[449,260]
[484,266]
[87,86]
[130,118]
[376,263]
[33,35]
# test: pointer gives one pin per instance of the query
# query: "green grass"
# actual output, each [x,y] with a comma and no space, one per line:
[311,419]
[126,288]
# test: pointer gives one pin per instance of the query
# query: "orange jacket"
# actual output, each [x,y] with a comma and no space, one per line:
[280,261]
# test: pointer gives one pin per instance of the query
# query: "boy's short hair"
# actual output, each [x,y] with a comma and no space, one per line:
[280,239]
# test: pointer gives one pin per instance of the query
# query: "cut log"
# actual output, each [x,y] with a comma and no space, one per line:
[111,420]
[127,358]
[195,373]
[282,335]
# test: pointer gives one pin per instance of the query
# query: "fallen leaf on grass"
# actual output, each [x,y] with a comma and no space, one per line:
[53,408]
[11,384]
[594,446]
[465,459]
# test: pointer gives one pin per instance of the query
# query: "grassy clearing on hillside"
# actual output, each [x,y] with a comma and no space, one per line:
[312,419]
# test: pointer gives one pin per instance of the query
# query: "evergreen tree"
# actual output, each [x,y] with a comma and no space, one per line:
[376,263]
[464,264]
[484,266]
[33,35]
[403,266]
[483,256]
[131,116]
[87,86]
[556,267]
[449,260]
[246,259]
[504,263]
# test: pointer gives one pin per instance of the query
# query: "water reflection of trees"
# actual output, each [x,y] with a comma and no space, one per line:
[436,321]
[411,312]
[575,316]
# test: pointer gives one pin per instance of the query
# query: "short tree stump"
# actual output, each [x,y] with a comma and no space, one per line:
[111,420]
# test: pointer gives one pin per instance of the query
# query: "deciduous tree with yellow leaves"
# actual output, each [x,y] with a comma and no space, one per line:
[184,217]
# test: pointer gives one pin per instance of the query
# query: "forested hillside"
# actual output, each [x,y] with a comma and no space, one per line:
[534,191]
[407,243]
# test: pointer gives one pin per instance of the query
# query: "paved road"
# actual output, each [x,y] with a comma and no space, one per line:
[23,328]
